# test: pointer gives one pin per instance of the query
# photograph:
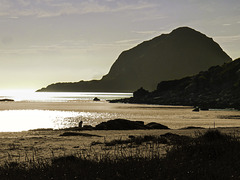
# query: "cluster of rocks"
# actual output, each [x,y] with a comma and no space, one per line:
[6,100]
[121,124]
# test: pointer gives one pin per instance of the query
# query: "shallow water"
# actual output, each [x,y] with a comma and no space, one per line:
[30,95]
[34,110]
[20,120]
[69,114]
[61,110]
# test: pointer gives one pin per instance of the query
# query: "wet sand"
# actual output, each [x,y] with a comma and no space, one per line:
[22,146]
[174,117]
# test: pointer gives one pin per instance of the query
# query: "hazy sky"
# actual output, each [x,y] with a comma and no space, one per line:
[46,41]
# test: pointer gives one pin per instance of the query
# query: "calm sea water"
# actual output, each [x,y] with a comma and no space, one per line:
[30,95]
[25,119]
[60,110]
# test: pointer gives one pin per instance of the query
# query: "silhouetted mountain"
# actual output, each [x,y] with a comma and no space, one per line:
[181,53]
[218,87]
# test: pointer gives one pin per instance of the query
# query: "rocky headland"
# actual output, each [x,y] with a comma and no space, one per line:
[218,87]
[183,52]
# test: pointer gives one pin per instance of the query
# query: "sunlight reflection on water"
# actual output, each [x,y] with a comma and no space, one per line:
[57,115]
[30,95]
[21,120]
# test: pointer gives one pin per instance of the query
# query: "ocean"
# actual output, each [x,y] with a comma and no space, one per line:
[32,110]
[33,117]
[30,95]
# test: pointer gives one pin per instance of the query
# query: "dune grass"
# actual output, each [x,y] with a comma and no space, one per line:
[211,155]
[167,138]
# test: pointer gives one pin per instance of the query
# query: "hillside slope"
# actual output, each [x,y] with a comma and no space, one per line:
[218,87]
[181,53]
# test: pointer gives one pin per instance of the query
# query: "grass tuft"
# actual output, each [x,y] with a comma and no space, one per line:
[212,155]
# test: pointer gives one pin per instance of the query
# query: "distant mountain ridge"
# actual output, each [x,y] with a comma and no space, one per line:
[181,53]
[218,87]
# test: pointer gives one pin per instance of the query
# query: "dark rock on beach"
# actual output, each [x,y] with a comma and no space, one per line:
[154,125]
[119,124]
[87,127]
[5,100]
[124,124]
[96,99]
[115,124]
[196,109]
[78,134]
[192,127]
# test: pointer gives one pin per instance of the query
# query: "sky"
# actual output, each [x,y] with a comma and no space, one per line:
[48,41]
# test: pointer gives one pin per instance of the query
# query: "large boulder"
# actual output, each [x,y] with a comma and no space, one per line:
[120,124]
[154,125]
[124,124]
[5,100]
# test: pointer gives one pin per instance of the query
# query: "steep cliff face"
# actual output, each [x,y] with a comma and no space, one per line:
[183,52]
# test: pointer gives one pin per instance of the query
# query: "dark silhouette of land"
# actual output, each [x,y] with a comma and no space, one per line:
[209,155]
[119,124]
[181,53]
[218,87]
[6,100]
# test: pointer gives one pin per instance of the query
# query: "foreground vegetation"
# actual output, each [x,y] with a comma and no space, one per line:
[212,155]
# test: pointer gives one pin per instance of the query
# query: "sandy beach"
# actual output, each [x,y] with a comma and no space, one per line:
[174,117]
[45,144]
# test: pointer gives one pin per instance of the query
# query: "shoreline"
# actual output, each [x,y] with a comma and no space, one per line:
[75,105]
[175,117]
[44,143]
